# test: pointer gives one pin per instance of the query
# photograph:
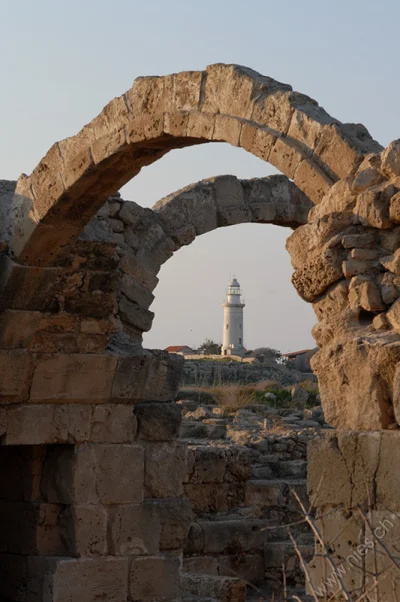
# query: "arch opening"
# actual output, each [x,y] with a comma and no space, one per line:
[189,295]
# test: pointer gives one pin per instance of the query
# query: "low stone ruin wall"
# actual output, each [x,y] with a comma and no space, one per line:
[242,498]
[245,469]
[206,373]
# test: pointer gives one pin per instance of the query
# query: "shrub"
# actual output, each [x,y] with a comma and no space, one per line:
[234,397]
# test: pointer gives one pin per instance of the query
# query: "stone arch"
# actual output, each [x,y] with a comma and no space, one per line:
[224,103]
[147,238]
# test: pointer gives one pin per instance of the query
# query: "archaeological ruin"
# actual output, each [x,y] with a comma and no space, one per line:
[100,496]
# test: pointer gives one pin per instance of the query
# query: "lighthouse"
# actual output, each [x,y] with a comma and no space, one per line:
[232,339]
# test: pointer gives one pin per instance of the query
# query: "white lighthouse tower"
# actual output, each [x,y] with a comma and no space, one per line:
[232,339]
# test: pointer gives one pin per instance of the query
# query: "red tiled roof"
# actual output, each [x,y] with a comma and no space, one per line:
[173,348]
[292,353]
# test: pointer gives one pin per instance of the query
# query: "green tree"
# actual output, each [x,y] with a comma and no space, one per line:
[209,347]
[266,354]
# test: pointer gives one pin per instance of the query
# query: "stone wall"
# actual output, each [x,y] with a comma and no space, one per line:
[206,373]
[242,499]
[86,507]
[346,262]
[244,468]
[89,439]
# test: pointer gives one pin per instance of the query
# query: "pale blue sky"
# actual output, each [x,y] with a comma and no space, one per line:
[62,61]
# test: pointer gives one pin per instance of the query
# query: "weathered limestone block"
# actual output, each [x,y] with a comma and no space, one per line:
[88,292]
[279,554]
[223,589]
[193,205]
[312,180]
[362,241]
[175,516]
[73,423]
[264,494]
[286,157]
[393,315]
[207,465]
[339,199]
[130,265]
[154,578]
[356,499]
[133,529]
[16,369]
[227,129]
[165,468]
[352,267]
[391,159]
[113,423]
[392,262]
[364,253]
[218,535]
[84,530]
[372,207]
[86,579]
[380,322]
[135,315]
[340,147]
[369,367]
[158,421]
[152,376]
[329,480]
[214,497]
[394,209]
[318,274]
[365,294]
[343,550]
[94,474]
[135,292]
[368,174]
[69,378]
[257,141]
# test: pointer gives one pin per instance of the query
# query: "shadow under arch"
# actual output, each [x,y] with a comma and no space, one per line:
[224,103]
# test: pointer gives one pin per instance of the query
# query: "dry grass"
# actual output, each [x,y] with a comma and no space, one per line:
[265,385]
[310,386]
[234,397]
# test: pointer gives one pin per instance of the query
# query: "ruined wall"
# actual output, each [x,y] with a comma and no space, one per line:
[74,380]
[86,508]
[346,262]
[205,373]
[242,499]
[99,464]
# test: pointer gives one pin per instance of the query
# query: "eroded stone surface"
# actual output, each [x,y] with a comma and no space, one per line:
[346,262]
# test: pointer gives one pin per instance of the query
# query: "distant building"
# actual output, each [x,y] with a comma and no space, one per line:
[232,339]
[180,349]
[301,359]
